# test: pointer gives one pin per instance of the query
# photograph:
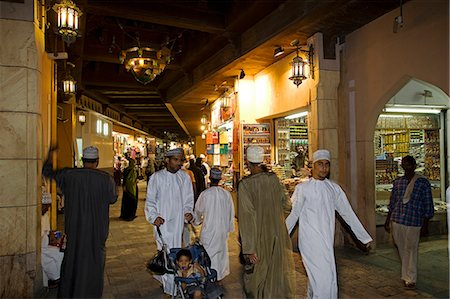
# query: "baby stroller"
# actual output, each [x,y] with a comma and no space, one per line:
[208,284]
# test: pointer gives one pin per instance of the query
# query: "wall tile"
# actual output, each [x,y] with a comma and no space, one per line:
[13,127]
[13,189]
[33,191]
[20,37]
[34,136]
[33,229]
[12,231]
[329,81]
[13,88]
[15,282]
[34,91]
[327,114]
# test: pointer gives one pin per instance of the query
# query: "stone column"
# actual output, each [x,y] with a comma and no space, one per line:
[21,69]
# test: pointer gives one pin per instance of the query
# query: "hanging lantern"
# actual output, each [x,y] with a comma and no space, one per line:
[204,119]
[68,20]
[298,70]
[82,118]
[69,85]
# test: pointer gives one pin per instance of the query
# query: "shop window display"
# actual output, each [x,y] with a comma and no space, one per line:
[292,148]
[398,135]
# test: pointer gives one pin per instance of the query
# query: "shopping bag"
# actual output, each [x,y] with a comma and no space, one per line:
[157,264]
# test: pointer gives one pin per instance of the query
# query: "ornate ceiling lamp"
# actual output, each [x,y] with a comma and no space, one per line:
[145,63]
[68,20]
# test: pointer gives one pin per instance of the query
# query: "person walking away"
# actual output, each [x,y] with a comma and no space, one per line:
[199,178]
[169,204]
[206,168]
[314,206]
[215,210]
[130,192]
[88,193]
[410,208]
[117,171]
[265,241]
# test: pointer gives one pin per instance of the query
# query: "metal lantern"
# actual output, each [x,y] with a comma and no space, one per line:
[82,118]
[204,119]
[68,20]
[145,63]
[298,70]
[69,85]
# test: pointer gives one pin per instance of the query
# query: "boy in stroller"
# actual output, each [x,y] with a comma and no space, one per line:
[188,269]
[194,277]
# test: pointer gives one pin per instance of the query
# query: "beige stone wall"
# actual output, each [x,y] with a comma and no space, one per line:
[376,63]
[24,93]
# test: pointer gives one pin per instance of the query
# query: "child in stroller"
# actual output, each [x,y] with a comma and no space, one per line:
[194,277]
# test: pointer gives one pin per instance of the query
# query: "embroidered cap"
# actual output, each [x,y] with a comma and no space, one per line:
[175,152]
[202,156]
[255,154]
[191,157]
[90,152]
[215,173]
[321,154]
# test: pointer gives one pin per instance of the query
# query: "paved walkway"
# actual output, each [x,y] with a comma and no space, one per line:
[376,275]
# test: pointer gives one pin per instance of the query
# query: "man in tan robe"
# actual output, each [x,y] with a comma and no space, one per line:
[266,245]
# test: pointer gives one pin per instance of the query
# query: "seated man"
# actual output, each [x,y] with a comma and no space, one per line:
[51,255]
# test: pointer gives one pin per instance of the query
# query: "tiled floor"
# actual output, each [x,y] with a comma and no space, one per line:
[376,275]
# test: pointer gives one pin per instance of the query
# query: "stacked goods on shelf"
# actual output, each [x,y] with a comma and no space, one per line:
[256,134]
[283,141]
[432,155]
[279,171]
[416,135]
[386,171]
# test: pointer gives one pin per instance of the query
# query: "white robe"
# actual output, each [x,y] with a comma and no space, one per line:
[51,256]
[169,196]
[215,209]
[314,206]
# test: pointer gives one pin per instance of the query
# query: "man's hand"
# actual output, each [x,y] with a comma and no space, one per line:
[158,221]
[387,226]
[253,258]
[188,217]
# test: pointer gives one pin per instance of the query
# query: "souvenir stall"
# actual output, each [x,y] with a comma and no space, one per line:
[219,137]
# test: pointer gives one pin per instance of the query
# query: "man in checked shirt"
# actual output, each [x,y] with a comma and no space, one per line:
[410,208]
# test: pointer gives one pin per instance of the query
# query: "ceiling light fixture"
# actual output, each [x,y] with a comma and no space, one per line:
[412,110]
[68,20]
[297,115]
[145,63]
[241,75]
[278,51]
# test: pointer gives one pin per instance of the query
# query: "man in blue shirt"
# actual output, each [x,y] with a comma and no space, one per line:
[410,208]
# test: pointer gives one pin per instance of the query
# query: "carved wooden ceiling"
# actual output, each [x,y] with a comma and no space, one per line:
[212,41]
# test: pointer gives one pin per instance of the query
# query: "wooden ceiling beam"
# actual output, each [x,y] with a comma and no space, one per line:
[168,15]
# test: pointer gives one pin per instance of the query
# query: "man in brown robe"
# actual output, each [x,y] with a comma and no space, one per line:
[266,245]
[88,193]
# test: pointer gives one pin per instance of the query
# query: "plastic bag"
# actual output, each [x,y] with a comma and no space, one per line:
[157,264]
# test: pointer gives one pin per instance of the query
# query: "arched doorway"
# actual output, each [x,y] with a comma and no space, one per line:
[414,121]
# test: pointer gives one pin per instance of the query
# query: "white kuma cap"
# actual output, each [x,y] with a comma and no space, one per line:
[321,154]
[255,154]
[91,152]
